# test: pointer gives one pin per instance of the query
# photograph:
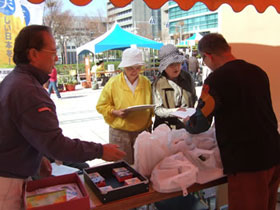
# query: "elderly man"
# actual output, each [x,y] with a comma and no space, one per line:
[29,126]
[237,94]
[129,88]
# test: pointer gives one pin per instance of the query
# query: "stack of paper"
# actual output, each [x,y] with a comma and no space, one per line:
[183,114]
[140,107]
[58,170]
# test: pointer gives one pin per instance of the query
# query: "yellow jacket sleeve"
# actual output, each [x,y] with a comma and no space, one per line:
[105,104]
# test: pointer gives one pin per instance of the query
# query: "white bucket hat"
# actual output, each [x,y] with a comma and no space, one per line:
[131,57]
[169,54]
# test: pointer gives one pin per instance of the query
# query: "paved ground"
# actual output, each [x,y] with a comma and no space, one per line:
[78,117]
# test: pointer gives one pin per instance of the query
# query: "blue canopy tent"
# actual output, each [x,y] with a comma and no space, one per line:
[117,38]
[191,40]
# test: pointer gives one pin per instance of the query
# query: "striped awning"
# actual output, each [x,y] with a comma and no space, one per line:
[237,5]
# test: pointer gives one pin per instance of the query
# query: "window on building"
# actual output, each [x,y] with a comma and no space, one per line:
[177,12]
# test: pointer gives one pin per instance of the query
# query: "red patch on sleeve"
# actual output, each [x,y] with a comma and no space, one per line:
[44,109]
[205,89]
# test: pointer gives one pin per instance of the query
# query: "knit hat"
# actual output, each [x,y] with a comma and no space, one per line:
[169,54]
[131,57]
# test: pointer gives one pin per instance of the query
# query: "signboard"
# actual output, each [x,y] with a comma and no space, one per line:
[152,21]
[33,13]
[11,22]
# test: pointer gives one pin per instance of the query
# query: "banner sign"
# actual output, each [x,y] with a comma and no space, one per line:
[33,13]
[11,22]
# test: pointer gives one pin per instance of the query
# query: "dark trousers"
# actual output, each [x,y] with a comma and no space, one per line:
[254,190]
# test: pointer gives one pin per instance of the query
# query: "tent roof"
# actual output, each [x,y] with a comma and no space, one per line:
[237,5]
[195,37]
[91,45]
[124,39]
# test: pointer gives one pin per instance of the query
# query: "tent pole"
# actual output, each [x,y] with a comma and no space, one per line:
[107,56]
[78,75]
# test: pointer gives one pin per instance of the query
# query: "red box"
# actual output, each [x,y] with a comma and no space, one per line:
[117,170]
[97,179]
[81,203]
[132,181]
[123,175]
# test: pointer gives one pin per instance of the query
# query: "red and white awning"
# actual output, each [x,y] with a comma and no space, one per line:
[237,5]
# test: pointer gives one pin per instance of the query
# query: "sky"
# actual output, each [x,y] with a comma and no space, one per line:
[94,8]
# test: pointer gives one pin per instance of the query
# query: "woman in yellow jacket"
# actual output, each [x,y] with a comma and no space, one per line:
[126,89]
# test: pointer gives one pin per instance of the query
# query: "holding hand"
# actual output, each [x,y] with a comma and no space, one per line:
[120,113]
[111,152]
[45,168]
[186,119]
[182,109]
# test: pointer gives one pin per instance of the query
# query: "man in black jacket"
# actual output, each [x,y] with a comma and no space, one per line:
[237,95]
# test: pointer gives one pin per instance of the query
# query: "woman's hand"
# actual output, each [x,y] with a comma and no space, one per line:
[182,109]
[120,113]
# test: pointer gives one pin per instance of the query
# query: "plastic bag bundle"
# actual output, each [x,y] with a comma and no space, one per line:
[205,140]
[207,160]
[150,149]
[175,139]
[174,173]
[197,151]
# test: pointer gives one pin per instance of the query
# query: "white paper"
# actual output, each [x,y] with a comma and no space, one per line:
[58,170]
[183,114]
[140,107]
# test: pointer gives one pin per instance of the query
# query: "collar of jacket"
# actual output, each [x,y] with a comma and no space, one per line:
[166,85]
[37,73]
[164,81]
[139,85]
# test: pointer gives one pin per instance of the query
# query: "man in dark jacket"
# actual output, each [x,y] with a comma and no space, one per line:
[29,126]
[237,94]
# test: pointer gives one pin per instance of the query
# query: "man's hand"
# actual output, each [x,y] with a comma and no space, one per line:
[186,119]
[112,153]
[45,168]
[120,113]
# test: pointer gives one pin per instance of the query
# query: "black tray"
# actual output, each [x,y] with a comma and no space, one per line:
[119,189]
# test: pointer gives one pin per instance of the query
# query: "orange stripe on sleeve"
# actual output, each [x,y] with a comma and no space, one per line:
[209,101]
[44,109]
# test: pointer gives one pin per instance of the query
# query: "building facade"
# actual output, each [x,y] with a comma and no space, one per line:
[82,30]
[136,17]
[182,24]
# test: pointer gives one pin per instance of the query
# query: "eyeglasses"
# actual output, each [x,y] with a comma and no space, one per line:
[131,68]
[53,52]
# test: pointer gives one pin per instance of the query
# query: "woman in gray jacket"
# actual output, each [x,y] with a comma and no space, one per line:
[173,89]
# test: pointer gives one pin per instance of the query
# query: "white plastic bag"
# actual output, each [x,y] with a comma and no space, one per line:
[201,150]
[175,139]
[174,173]
[150,149]
[205,140]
